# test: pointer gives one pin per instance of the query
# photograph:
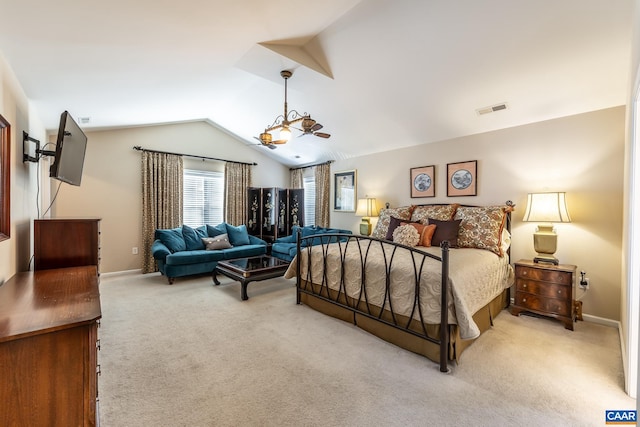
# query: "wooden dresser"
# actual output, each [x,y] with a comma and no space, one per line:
[545,289]
[49,348]
[59,243]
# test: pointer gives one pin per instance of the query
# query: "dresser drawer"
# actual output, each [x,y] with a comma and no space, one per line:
[561,277]
[539,303]
[551,290]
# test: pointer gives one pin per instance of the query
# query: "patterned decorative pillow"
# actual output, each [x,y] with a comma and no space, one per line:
[481,227]
[403,213]
[406,235]
[424,231]
[439,212]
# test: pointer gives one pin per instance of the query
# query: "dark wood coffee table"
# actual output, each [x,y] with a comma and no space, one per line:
[253,269]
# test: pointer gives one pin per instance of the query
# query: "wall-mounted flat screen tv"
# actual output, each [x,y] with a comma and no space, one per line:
[70,149]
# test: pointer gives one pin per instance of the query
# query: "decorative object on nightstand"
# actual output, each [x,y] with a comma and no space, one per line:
[546,208]
[367,208]
[546,289]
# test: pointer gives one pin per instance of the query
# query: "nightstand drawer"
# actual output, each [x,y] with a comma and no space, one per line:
[544,275]
[547,305]
[551,290]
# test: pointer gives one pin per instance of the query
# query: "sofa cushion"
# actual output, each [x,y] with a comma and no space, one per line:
[172,238]
[216,243]
[193,237]
[282,247]
[213,231]
[238,236]
[310,231]
[244,251]
[194,257]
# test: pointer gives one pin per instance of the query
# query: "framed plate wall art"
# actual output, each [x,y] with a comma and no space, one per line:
[462,178]
[344,191]
[423,181]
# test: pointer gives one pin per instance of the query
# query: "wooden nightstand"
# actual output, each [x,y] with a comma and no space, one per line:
[545,289]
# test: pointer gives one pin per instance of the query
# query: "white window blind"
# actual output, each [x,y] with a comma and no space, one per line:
[203,197]
[309,185]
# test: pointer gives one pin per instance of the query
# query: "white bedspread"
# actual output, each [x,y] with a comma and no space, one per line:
[476,276]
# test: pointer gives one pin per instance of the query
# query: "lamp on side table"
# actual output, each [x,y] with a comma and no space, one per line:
[546,208]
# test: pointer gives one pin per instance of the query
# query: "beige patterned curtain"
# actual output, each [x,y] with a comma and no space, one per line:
[296,178]
[323,194]
[237,178]
[161,199]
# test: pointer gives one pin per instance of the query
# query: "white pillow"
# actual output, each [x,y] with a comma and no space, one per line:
[505,240]
[406,235]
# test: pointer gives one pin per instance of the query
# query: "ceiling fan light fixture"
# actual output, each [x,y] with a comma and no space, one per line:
[290,117]
[266,138]
[285,133]
[307,124]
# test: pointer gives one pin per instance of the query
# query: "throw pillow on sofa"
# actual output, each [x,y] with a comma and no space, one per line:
[238,236]
[172,238]
[217,230]
[218,242]
[193,237]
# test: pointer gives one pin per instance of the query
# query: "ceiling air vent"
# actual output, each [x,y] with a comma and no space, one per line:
[84,120]
[492,109]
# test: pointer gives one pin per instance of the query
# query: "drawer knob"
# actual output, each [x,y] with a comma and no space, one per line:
[559,291]
[524,300]
[524,286]
[524,273]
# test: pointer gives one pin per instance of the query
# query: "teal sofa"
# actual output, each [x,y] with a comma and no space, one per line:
[286,248]
[183,251]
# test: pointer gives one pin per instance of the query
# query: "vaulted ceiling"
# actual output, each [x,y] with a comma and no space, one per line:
[378,74]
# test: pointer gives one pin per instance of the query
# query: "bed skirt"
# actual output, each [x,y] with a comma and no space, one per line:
[483,318]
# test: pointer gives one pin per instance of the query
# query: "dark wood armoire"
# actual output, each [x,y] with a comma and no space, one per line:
[272,212]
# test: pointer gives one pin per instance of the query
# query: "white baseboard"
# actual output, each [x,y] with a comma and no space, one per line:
[602,321]
[121,273]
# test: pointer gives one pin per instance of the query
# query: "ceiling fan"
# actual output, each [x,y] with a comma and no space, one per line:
[285,122]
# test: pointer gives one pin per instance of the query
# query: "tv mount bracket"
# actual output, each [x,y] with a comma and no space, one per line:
[39,153]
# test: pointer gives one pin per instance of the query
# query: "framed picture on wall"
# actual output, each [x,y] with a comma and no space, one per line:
[344,191]
[423,181]
[462,178]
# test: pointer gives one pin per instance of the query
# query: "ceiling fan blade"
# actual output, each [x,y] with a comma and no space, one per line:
[270,145]
[316,127]
[322,134]
[280,141]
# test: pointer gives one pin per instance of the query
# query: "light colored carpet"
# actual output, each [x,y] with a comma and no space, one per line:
[193,354]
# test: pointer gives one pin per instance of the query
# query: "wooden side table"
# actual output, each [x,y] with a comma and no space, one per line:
[545,289]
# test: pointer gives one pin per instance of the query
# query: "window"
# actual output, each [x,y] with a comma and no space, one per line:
[309,185]
[203,198]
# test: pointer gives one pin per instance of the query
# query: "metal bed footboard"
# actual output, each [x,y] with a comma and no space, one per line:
[361,305]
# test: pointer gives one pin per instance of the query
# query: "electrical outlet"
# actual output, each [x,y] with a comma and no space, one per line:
[134,250]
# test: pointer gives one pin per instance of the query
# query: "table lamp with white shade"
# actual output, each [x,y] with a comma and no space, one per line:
[546,208]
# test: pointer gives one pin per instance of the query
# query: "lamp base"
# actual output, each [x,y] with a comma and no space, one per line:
[545,241]
[365,228]
[546,259]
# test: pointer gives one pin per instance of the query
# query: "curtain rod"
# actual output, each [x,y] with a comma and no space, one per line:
[138,148]
[328,162]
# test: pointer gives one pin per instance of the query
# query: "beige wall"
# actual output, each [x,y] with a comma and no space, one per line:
[582,155]
[15,252]
[111,182]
